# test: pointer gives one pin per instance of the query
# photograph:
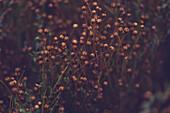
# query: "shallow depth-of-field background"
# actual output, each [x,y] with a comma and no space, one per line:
[84,56]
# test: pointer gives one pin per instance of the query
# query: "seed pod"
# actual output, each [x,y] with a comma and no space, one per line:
[125,47]
[141,26]
[46,30]
[74,41]
[50,17]
[75,25]
[99,20]
[112,48]
[103,14]
[126,29]
[148,94]
[33,98]
[36,107]
[7,79]
[1,101]
[14,89]
[11,83]
[129,14]
[94,3]
[86,62]
[20,92]
[40,31]
[61,88]
[129,70]
[61,109]
[115,34]
[92,55]
[20,85]
[35,88]
[113,5]
[39,103]
[25,78]
[135,32]
[116,23]
[107,55]
[153,27]
[96,86]
[135,24]
[121,9]
[137,85]
[105,83]
[120,29]
[89,43]
[46,106]
[93,11]
[83,7]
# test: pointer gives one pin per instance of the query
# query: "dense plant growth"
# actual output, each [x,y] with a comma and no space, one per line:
[84,56]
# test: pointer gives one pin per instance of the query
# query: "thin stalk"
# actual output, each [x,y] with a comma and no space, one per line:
[43,69]
[43,101]
[130,54]
[5,86]
[60,78]
[99,77]
[10,104]
[52,89]
[55,102]
[21,76]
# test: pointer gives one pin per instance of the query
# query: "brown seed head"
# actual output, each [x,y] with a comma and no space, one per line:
[20,85]
[95,3]
[142,26]
[1,101]
[148,94]
[46,106]
[86,62]
[137,85]
[14,89]
[129,70]
[153,27]
[112,48]
[83,7]
[46,30]
[74,41]
[135,24]
[61,108]
[115,34]
[25,78]
[33,98]
[55,38]
[20,92]
[99,20]
[126,29]
[93,20]
[96,86]
[61,88]
[35,88]
[135,32]
[39,103]
[7,79]
[75,25]
[125,47]
[11,83]
[36,107]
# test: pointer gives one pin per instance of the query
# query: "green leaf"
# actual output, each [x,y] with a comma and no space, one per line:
[37,38]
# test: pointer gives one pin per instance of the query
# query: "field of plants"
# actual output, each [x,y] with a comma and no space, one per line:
[84,56]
